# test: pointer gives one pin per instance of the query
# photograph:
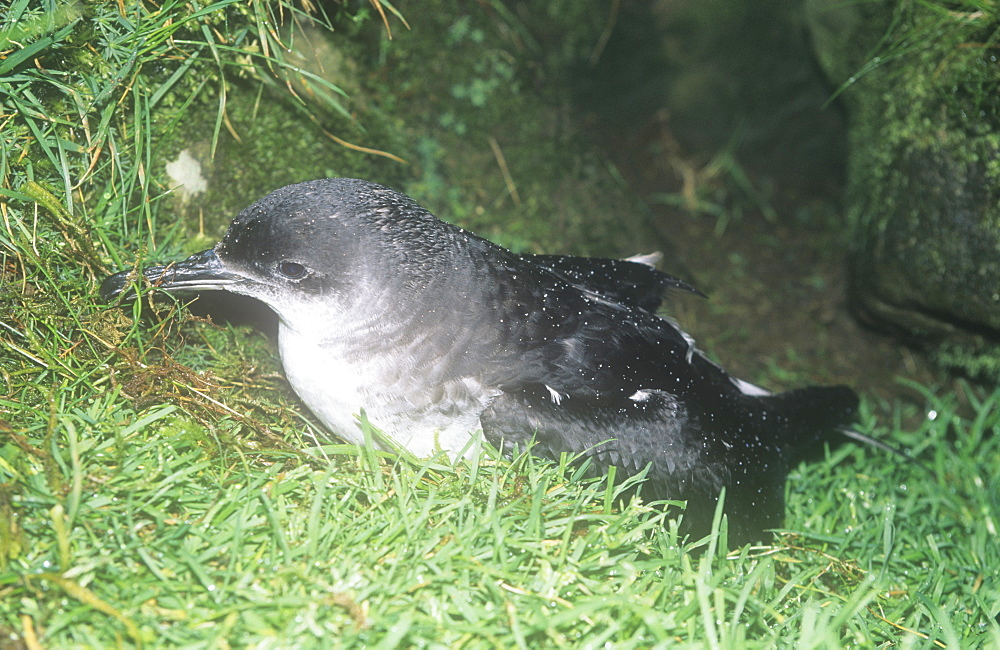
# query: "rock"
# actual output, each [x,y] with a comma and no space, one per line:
[923,167]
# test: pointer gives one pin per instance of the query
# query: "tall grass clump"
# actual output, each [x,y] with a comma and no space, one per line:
[91,92]
[159,485]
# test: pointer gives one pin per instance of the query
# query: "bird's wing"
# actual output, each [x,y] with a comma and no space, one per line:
[574,345]
[632,281]
[579,339]
[588,372]
[628,433]
[648,429]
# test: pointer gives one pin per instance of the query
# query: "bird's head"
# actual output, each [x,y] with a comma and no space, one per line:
[321,246]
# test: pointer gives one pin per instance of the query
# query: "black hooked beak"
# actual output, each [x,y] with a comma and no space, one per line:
[202,271]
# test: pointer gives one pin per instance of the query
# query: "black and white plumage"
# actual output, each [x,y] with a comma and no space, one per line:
[437,334]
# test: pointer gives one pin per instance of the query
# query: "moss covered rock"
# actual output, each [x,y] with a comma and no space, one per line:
[922,86]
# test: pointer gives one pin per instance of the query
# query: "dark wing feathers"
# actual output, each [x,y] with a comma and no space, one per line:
[577,340]
[685,461]
[630,282]
[613,431]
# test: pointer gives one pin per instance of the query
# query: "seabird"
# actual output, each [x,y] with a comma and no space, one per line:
[439,334]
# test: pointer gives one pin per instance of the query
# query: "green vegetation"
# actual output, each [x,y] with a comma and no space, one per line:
[160,486]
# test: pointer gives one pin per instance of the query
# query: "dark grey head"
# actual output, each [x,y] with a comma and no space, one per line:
[334,241]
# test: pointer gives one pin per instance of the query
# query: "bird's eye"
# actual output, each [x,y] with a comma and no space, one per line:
[292,270]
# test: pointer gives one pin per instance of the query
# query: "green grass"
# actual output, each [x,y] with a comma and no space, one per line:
[160,486]
[123,524]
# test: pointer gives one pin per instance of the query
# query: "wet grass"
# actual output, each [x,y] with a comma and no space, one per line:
[158,520]
[160,485]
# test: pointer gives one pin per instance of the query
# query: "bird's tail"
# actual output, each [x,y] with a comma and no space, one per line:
[818,413]
[813,414]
